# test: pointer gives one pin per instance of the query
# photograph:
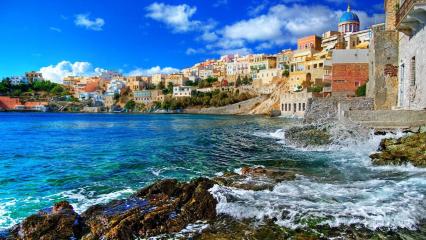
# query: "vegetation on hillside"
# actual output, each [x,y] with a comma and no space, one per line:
[34,89]
[199,99]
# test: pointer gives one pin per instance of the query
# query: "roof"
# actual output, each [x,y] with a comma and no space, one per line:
[349,16]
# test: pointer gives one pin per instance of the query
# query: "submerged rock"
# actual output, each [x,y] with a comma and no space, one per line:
[308,135]
[409,149]
[255,178]
[60,222]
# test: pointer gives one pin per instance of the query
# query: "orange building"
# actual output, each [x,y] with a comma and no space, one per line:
[349,71]
[309,42]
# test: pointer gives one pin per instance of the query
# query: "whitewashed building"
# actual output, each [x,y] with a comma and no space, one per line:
[411,23]
[182,91]
[16,80]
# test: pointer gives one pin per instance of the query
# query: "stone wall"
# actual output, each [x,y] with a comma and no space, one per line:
[322,110]
[383,70]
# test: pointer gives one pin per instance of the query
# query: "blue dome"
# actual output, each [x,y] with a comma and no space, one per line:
[349,16]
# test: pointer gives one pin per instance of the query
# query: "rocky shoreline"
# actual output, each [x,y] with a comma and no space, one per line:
[165,209]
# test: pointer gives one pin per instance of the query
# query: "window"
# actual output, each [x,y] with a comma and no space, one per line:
[300,106]
[285,107]
[321,64]
[304,106]
[315,65]
[357,84]
[413,71]
[289,106]
[294,107]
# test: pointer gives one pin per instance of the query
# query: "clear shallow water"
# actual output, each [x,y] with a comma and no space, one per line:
[93,158]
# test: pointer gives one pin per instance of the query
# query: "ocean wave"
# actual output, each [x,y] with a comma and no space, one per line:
[372,204]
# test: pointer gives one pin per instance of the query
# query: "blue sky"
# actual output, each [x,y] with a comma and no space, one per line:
[143,37]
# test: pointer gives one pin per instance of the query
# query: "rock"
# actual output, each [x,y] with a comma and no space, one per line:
[308,135]
[255,178]
[409,149]
[164,207]
[60,222]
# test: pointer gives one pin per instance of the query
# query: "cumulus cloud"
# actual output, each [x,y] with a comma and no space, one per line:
[56,73]
[192,51]
[152,71]
[83,20]
[175,16]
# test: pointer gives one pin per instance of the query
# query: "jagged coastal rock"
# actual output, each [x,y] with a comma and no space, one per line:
[164,207]
[409,149]
[308,135]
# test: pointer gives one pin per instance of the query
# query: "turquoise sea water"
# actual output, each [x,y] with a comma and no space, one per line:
[93,158]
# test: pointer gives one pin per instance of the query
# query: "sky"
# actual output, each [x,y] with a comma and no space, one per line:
[83,37]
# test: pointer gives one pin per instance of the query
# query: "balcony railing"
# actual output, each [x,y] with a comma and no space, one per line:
[406,7]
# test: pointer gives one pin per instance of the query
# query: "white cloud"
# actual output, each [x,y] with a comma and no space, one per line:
[192,51]
[83,20]
[55,29]
[152,71]
[56,73]
[175,16]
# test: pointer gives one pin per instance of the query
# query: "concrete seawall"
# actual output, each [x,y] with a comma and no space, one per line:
[240,108]
[387,118]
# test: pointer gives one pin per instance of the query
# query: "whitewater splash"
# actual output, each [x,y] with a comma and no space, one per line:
[367,196]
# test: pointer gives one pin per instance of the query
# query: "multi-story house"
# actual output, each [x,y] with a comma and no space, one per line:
[182,91]
[34,76]
[158,78]
[411,22]
[177,79]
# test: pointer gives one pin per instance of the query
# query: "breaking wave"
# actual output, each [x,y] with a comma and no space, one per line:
[364,195]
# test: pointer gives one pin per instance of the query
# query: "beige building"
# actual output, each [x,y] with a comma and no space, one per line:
[136,83]
[177,79]
[157,78]
[294,104]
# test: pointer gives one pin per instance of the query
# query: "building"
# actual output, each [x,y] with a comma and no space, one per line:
[261,62]
[17,80]
[349,71]
[309,42]
[265,77]
[410,23]
[158,78]
[349,22]
[115,86]
[294,104]
[147,96]
[15,104]
[177,79]
[136,83]
[34,76]
[182,91]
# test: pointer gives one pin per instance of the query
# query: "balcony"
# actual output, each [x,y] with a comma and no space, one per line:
[411,16]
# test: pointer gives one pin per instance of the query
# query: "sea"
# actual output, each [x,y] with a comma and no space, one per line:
[88,159]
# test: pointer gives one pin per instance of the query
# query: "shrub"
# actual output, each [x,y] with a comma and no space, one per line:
[361,90]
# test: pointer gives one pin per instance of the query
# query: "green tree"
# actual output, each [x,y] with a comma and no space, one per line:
[57,90]
[130,105]
[116,96]
[361,90]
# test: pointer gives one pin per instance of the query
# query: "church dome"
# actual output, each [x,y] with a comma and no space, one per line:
[349,17]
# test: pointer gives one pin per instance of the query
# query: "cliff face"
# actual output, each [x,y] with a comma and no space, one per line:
[271,102]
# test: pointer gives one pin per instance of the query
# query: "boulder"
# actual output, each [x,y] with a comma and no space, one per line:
[409,149]
[164,207]
[59,222]
[308,135]
[255,178]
